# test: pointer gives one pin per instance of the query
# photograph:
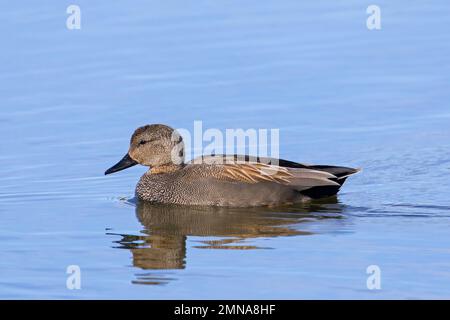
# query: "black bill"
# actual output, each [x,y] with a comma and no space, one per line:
[126,162]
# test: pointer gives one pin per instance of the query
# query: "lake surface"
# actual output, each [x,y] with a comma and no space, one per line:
[339,93]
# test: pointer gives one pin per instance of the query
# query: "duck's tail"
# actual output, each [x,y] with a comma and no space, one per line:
[341,173]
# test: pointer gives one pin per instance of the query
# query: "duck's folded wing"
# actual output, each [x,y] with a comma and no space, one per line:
[340,173]
[297,178]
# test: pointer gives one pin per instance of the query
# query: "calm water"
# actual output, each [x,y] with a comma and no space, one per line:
[339,93]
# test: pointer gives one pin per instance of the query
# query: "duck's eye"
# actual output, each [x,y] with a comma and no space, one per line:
[142,142]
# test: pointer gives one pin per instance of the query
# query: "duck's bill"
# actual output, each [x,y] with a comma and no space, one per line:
[126,162]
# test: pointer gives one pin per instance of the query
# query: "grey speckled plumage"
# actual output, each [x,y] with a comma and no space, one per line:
[222,180]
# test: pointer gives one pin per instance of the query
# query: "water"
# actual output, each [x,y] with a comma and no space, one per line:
[339,93]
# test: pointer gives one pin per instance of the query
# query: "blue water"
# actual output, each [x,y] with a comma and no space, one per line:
[339,93]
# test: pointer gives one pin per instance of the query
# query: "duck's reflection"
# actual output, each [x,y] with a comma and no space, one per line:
[162,244]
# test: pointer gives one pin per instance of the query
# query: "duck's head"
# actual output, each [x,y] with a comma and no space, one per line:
[153,146]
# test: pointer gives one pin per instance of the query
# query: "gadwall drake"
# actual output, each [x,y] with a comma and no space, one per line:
[222,180]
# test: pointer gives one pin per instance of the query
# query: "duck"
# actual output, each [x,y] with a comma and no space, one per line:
[222,180]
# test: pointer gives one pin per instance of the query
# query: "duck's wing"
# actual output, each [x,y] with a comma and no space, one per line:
[252,173]
[340,173]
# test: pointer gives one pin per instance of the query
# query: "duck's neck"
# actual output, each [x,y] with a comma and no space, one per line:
[166,168]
